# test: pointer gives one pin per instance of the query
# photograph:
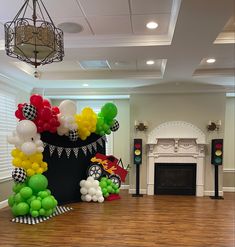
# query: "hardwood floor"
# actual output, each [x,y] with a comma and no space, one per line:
[138,222]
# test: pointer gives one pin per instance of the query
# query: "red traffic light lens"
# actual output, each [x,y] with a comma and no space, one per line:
[218,145]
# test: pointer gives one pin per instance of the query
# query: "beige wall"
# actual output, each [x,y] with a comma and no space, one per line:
[197,109]
[21,96]
[229,135]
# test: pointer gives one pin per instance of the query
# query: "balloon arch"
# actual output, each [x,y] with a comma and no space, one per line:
[39,122]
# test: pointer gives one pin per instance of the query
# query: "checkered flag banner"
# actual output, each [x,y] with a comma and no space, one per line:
[29,111]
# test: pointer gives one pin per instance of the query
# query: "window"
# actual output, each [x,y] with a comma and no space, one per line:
[7,125]
[96,106]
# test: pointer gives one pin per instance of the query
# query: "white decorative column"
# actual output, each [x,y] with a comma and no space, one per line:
[176,142]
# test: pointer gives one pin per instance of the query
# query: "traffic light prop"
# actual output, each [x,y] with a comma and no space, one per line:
[137,151]
[217,152]
[217,160]
[137,161]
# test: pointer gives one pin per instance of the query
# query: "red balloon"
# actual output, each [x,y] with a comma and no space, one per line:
[57,124]
[52,121]
[46,102]
[46,126]
[36,100]
[46,113]
[40,129]
[53,129]
[20,106]
[19,114]
[40,123]
[55,110]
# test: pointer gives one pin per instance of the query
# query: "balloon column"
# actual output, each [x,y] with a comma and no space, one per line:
[31,195]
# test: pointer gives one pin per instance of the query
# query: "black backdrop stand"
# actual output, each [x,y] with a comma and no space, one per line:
[216,196]
[64,174]
[137,192]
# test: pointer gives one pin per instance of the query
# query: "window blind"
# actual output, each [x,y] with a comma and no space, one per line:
[96,107]
[7,125]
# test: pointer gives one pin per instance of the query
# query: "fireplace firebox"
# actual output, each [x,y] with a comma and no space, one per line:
[175,179]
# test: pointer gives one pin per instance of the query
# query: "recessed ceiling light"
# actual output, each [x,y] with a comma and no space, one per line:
[210,60]
[70,27]
[150,62]
[85,85]
[152,25]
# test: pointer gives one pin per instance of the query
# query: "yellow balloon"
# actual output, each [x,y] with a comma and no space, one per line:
[17,162]
[15,152]
[35,166]
[30,172]
[40,170]
[26,164]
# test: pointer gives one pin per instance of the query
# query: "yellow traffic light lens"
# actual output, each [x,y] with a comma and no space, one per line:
[218,152]
[137,152]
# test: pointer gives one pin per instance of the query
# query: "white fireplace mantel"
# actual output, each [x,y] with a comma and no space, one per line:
[176,142]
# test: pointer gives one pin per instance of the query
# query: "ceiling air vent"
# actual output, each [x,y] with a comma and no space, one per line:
[94,64]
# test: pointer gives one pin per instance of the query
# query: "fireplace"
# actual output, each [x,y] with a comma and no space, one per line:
[175,179]
[179,143]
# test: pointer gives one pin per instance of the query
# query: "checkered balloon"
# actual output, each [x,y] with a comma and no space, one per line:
[29,111]
[19,175]
[73,135]
[115,126]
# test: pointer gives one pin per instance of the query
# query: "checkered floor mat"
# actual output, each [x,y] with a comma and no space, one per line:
[35,220]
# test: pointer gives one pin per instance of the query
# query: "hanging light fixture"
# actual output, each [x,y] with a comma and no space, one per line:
[33,40]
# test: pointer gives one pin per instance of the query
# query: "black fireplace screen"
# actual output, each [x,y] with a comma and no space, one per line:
[175,179]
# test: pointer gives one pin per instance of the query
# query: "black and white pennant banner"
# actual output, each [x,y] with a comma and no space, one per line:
[90,147]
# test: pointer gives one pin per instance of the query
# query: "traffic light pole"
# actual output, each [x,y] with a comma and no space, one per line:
[216,196]
[137,192]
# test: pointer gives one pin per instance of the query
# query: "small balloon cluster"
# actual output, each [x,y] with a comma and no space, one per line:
[90,190]
[106,120]
[108,187]
[32,197]
[41,112]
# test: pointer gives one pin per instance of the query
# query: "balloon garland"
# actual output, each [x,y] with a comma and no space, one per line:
[31,195]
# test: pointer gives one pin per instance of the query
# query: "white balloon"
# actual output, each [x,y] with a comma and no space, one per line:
[82,183]
[26,129]
[88,197]
[96,183]
[28,148]
[101,199]
[94,198]
[83,191]
[91,191]
[67,107]
[98,193]
[90,178]
[83,198]
[87,184]
[40,149]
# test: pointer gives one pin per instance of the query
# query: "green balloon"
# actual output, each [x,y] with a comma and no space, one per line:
[22,208]
[11,200]
[14,210]
[34,213]
[109,182]
[26,192]
[18,198]
[103,184]
[48,191]
[44,194]
[39,198]
[31,199]
[109,189]
[35,204]
[104,191]
[42,211]
[47,203]
[18,186]
[38,182]
[106,195]
[109,111]
[115,186]
[104,179]
[48,212]
[117,191]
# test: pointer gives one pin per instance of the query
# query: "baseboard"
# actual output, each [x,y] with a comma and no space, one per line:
[125,187]
[3,204]
[133,191]
[212,193]
[229,189]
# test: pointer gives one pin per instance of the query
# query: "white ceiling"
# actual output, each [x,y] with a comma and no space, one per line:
[189,32]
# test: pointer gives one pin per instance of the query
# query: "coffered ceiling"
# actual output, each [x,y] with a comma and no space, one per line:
[107,46]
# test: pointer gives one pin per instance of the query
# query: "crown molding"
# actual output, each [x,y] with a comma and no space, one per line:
[213,72]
